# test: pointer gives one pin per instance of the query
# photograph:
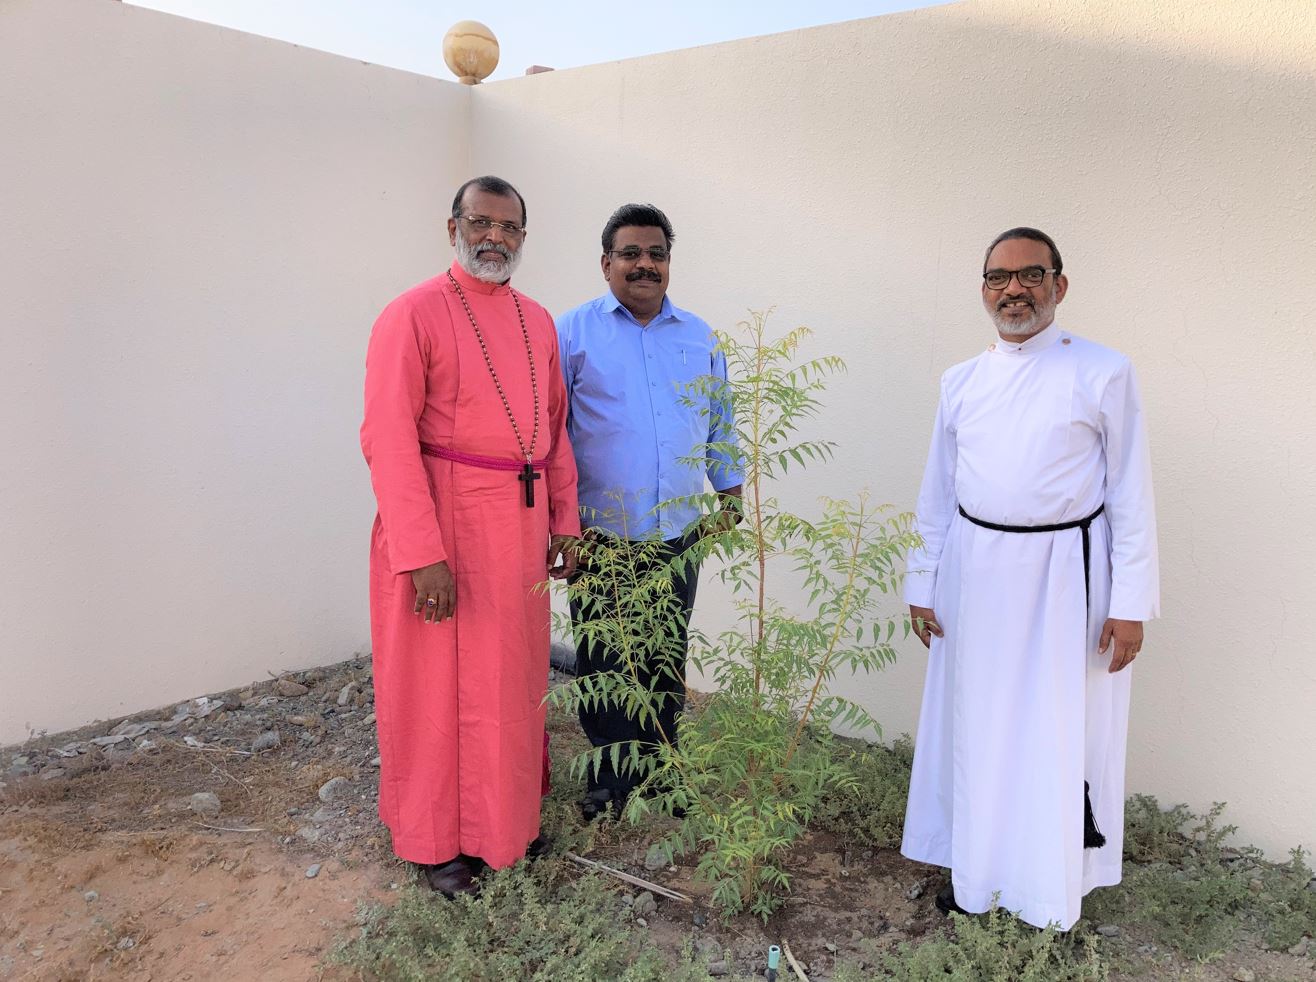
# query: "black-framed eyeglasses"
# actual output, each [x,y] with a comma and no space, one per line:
[999,279]
[632,254]
[481,224]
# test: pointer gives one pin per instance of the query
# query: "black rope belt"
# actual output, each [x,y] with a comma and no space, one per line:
[1083,523]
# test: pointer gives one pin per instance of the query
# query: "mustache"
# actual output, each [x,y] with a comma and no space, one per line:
[497,247]
[643,274]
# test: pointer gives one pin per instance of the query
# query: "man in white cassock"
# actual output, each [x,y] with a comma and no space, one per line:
[1037,568]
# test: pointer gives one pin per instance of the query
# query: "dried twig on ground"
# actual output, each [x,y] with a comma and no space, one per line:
[795,966]
[627,877]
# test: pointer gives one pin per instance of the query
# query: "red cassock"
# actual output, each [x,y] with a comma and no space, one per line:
[459,704]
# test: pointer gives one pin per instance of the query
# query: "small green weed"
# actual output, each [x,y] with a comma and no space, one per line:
[871,810]
[996,947]
[533,923]
[1198,896]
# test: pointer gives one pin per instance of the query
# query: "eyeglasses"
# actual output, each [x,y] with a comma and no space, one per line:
[999,279]
[481,224]
[657,253]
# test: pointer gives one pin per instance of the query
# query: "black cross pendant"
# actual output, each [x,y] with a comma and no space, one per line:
[530,477]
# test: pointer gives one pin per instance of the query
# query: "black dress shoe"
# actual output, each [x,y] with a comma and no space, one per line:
[451,879]
[595,804]
[946,902]
[541,847]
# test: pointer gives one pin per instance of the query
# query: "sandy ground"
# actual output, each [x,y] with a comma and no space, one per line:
[170,907]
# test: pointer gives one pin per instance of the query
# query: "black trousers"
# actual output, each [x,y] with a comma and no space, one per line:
[611,724]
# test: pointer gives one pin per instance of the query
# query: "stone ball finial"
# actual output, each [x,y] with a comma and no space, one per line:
[471,51]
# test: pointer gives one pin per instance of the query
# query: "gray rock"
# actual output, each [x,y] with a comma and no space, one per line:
[1312,885]
[699,920]
[1109,930]
[830,947]
[204,803]
[324,814]
[334,788]
[51,773]
[1256,886]
[21,760]
[346,694]
[309,833]
[914,892]
[718,969]
[126,944]
[266,741]
[645,904]
[91,896]
[313,871]
[374,761]
[641,921]
[267,701]
[290,689]
[1244,975]
[108,741]
[369,720]
[133,730]
[1301,947]
[657,857]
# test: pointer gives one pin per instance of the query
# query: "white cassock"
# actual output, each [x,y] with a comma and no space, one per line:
[1019,708]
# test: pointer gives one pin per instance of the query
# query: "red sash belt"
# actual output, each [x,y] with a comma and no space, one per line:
[475,460]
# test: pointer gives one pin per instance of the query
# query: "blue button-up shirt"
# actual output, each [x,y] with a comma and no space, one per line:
[629,425]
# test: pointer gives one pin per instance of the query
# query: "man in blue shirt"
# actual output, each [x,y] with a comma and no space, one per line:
[629,358]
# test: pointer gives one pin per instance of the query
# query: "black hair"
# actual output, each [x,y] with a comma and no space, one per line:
[1024,232]
[490,185]
[643,216]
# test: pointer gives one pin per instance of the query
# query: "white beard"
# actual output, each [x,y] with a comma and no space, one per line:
[487,270]
[1042,316]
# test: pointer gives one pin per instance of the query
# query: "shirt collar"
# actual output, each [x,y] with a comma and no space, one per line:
[668,310]
[469,282]
[1039,341]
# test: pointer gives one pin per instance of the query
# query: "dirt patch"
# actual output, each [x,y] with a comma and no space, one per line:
[110,869]
[173,907]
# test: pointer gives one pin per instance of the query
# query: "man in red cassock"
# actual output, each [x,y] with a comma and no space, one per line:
[465,434]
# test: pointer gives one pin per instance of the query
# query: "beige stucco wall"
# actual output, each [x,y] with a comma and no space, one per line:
[198,228]
[852,176]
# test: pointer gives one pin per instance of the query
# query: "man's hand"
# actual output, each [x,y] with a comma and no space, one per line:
[925,624]
[729,514]
[562,552]
[1127,636]
[436,592]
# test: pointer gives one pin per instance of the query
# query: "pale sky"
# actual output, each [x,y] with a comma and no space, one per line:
[563,34]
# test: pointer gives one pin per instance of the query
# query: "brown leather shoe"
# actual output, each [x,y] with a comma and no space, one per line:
[452,878]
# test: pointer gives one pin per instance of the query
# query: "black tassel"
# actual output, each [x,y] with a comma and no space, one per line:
[1092,837]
